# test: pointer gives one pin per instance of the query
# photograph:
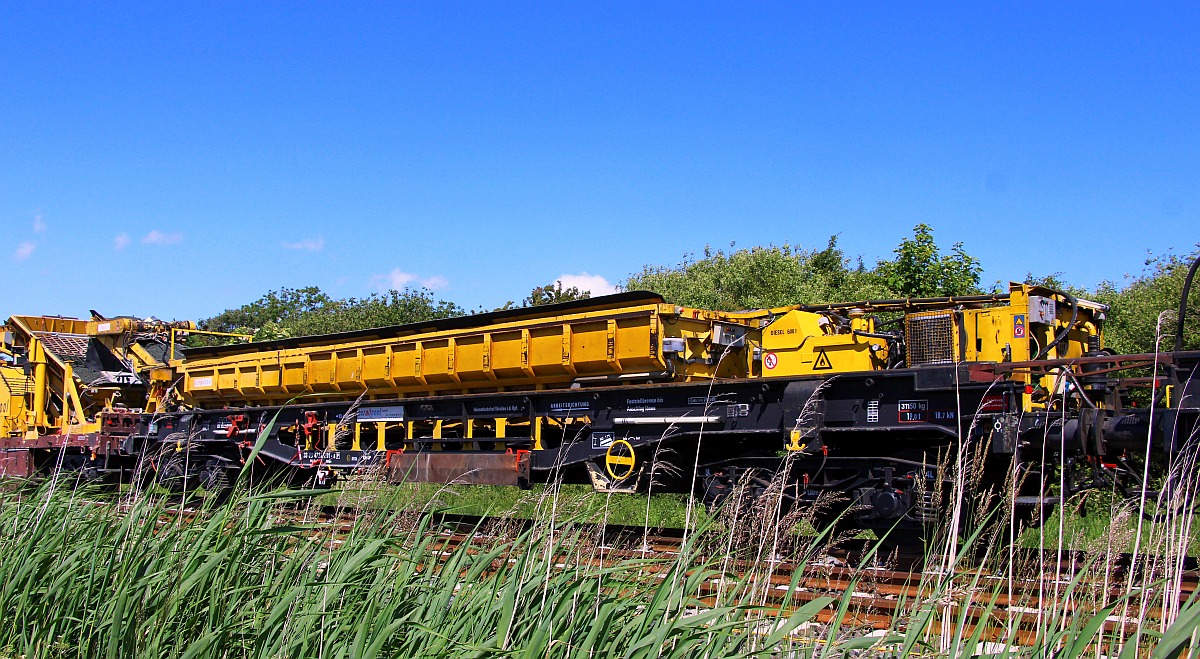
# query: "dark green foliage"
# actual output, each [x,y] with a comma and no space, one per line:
[553,294]
[1134,321]
[308,311]
[920,269]
[548,294]
[760,277]
[1053,281]
[391,308]
[276,307]
[778,276]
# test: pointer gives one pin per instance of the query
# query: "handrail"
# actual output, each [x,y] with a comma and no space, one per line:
[174,330]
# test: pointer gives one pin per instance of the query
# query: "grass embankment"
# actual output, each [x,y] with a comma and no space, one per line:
[245,580]
[1097,522]
[588,506]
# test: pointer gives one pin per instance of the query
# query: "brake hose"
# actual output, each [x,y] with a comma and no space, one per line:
[1187,287]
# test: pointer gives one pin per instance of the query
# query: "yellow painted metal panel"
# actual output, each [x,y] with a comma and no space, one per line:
[805,343]
[469,359]
[406,365]
[588,346]
[375,366]
[506,354]
[271,378]
[633,344]
[321,371]
[348,369]
[14,384]
[247,379]
[534,351]
[295,377]
[227,378]
[451,354]
[545,350]
[435,362]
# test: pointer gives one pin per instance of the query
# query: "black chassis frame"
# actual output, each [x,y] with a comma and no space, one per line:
[844,416]
[869,437]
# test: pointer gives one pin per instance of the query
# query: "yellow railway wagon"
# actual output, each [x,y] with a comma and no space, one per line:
[626,337]
[57,373]
[15,387]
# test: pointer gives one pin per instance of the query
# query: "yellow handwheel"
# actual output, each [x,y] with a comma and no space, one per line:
[619,460]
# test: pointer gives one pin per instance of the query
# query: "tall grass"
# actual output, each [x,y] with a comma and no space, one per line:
[244,581]
[253,579]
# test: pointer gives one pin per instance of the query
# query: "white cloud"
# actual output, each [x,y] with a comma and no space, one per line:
[595,284]
[157,237]
[398,279]
[24,251]
[121,241]
[394,280]
[39,225]
[309,244]
[436,282]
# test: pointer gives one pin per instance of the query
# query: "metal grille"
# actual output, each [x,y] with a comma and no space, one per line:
[65,346]
[930,338]
[73,349]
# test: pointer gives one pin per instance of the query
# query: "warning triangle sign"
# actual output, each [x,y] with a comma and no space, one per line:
[822,361]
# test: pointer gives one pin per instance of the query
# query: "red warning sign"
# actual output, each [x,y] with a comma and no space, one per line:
[770,360]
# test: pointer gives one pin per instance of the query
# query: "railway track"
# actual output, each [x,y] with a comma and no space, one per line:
[1014,600]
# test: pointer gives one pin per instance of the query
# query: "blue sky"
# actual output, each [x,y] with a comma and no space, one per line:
[178,159]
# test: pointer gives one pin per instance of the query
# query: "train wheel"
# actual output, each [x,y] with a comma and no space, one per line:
[215,481]
[832,517]
[900,498]
[174,473]
[80,470]
[1030,500]
[717,487]
[751,497]
[176,467]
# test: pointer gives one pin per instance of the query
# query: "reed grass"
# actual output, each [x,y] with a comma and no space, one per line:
[85,579]
[247,579]
[244,581]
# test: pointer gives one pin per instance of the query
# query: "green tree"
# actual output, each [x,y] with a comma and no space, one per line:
[411,305]
[920,269]
[548,294]
[1053,280]
[272,331]
[553,294]
[760,277]
[308,311]
[1134,321]
[277,307]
